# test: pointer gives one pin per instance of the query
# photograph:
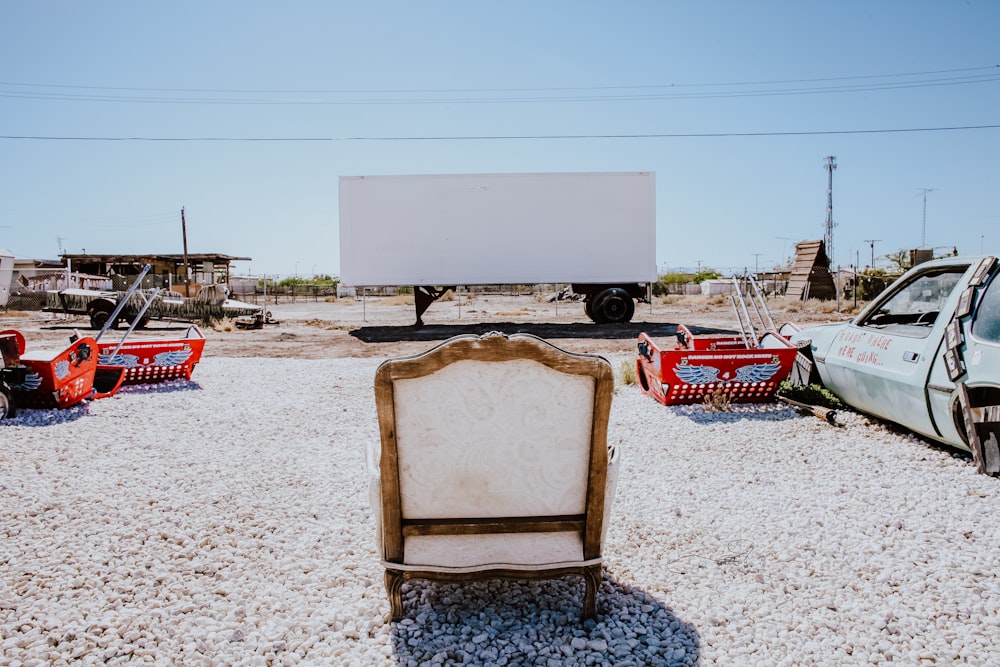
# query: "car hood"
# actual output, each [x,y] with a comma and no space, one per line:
[819,336]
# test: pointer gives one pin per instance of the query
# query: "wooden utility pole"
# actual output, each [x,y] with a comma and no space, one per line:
[187,269]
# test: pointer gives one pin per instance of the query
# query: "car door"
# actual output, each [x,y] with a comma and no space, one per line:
[970,352]
[881,362]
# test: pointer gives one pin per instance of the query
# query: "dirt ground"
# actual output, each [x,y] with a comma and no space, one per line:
[384,327]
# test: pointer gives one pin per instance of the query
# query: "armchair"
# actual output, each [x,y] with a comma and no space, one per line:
[493,464]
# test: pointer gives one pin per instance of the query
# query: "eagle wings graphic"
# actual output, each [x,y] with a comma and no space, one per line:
[707,374]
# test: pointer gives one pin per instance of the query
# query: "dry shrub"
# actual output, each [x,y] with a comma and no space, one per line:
[824,307]
[398,300]
[224,324]
[785,304]
[327,325]
[449,295]
[330,299]
[719,300]
[513,313]
[694,300]
[627,372]
[718,401]
[789,304]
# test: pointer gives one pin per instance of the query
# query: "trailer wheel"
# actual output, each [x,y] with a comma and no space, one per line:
[6,402]
[613,306]
[99,316]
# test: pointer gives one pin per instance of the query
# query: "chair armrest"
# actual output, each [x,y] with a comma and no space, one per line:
[372,460]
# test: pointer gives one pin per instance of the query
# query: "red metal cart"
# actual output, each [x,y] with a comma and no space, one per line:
[698,367]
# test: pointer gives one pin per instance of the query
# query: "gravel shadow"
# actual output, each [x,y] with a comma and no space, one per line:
[575,330]
[519,622]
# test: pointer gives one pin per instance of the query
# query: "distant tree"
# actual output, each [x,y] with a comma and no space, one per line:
[663,283]
[872,282]
[900,260]
[705,274]
[321,281]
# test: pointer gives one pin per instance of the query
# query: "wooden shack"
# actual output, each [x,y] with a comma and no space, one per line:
[168,271]
[810,277]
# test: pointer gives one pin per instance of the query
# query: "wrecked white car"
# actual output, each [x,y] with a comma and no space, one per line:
[924,354]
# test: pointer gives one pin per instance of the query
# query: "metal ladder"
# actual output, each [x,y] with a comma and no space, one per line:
[750,336]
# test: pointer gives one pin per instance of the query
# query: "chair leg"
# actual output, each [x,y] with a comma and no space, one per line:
[591,579]
[394,587]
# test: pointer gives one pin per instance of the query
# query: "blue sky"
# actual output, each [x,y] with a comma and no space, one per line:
[746,99]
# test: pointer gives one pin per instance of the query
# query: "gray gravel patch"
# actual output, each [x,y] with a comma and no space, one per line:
[225,521]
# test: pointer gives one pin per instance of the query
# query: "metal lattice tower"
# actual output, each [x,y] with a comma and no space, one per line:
[831,164]
[923,227]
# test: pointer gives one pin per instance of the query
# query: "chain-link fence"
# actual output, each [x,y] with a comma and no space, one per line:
[26,301]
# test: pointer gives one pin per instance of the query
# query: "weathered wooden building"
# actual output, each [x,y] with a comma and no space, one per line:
[168,271]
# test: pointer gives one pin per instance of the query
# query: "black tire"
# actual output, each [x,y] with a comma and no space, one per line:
[613,306]
[99,317]
[7,408]
[588,307]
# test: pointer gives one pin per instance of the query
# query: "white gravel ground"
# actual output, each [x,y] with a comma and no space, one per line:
[225,521]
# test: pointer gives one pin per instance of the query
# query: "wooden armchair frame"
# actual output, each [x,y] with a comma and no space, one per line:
[589,524]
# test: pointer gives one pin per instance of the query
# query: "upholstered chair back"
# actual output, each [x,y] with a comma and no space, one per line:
[493,460]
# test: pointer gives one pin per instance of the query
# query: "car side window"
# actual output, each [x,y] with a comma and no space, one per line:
[986,324]
[913,308]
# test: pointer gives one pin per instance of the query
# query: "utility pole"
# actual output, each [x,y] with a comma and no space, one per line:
[831,164]
[923,227]
[872,242]
[187,269]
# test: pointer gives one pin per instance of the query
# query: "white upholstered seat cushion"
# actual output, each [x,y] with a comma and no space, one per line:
[479,552]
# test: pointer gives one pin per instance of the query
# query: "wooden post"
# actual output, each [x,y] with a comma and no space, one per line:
[187,269]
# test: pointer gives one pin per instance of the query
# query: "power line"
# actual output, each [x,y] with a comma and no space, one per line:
[299,91]
[828,85]
[690,135]
[522,137]
[496,100]
[163,139]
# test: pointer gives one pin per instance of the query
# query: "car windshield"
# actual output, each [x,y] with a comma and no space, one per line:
[912,308]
